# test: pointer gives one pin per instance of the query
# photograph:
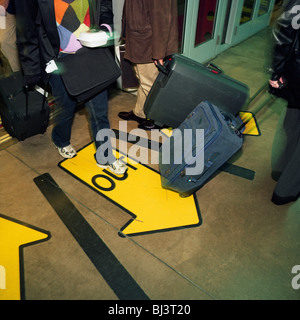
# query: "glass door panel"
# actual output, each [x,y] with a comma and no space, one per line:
[204,35]
[181,7]
[206,21]
[264,7]
[253,15]
[264,13]
[247,12]
[208,27]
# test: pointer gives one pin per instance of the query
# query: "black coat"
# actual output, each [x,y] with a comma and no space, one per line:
[286,55]
[37,36]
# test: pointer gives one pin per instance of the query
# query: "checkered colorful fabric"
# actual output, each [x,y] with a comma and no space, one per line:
[72,18]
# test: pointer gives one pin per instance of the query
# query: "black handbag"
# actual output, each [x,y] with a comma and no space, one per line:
[88,72]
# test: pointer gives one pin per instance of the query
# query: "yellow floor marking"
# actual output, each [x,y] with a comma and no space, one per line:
[139,192]
[251,127]
[13,236]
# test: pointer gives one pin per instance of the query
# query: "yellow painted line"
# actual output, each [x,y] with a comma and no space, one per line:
[139,192]
[5,137]
[251,127]
[14,235]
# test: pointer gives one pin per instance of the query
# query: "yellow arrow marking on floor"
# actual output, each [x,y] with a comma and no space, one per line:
[139,192]
[14,235]
[251,128]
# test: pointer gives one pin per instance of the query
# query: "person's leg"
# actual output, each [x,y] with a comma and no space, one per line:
[285,140]
[100,127]
[287,161]
[61,133]
[101,133]
[147,74]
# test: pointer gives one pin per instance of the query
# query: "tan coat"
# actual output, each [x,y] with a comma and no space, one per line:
[150,29]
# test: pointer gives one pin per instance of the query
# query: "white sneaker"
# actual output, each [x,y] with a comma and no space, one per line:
[67,152]
[118,167]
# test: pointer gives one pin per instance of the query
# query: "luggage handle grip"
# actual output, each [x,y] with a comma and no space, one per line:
[162,68]
[214,68]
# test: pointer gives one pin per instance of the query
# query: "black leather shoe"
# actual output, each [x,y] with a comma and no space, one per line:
[283,200]
[130,116]
[148,125]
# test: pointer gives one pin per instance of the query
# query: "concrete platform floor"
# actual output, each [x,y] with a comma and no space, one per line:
[245,248]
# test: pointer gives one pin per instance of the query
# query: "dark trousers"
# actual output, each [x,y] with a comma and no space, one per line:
[286,157]
[97,108]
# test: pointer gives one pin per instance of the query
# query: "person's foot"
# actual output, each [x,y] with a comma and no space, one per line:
[118,167]
[67,152]
[283,200]
[148,125]
[130,116]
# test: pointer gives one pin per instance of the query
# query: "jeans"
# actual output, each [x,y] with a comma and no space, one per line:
[97,108]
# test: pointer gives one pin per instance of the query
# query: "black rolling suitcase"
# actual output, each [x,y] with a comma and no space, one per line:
[183,83]
[23,113]
[188,159]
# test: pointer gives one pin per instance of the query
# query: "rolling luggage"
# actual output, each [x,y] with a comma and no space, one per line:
[183,83]
[189,159]
[24,113]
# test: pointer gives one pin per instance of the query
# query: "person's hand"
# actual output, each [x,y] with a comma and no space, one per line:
[277,83]
[31,80]
[159,61]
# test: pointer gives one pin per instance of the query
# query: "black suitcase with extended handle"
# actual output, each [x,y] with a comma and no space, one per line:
[24,113]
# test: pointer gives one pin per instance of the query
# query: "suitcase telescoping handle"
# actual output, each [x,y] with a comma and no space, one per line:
[258,109]
[25,90]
